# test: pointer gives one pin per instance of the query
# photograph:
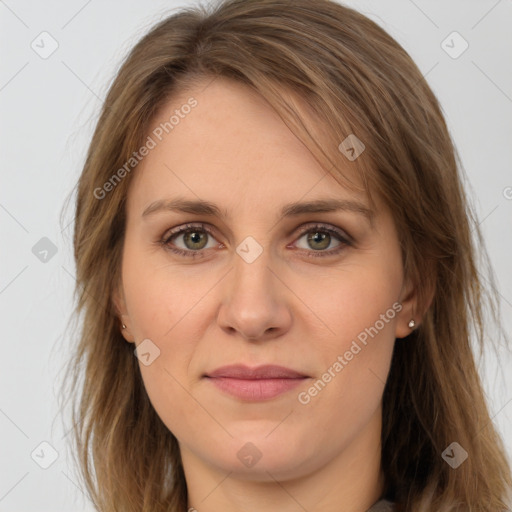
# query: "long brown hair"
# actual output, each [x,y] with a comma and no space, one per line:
[355,79]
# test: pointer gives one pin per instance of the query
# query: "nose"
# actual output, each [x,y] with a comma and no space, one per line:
[255,303]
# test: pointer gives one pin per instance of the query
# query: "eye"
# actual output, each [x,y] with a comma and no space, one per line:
[193,240]
[189,240]
[320,237]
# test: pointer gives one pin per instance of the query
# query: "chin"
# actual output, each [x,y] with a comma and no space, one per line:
[261,458]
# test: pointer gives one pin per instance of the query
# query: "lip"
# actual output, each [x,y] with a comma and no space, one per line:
[255,384]
[267,371]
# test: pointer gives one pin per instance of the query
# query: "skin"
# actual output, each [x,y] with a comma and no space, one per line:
[283,308]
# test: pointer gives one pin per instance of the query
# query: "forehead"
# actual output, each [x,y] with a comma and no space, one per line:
[230,146]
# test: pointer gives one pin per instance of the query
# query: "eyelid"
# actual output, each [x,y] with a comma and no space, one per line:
[189,226]
[175,232]
[341,233]
[343,237]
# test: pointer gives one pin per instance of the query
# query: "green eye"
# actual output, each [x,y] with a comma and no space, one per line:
[196,238]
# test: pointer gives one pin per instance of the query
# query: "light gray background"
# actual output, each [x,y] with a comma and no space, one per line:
[48,108]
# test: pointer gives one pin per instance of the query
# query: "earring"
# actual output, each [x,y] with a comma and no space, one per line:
[412,323]
[124,326]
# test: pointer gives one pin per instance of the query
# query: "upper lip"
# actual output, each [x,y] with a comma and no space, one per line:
[240,371]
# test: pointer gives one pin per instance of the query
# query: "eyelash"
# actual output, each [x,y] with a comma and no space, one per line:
[344,240]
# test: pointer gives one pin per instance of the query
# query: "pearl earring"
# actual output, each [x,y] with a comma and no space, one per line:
[124,326]
[412,323]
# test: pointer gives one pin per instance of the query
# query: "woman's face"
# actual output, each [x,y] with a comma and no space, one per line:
[259,278]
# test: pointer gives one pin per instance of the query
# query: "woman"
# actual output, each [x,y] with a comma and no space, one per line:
[271,218]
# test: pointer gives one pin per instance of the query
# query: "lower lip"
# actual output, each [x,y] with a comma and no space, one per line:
[255,389]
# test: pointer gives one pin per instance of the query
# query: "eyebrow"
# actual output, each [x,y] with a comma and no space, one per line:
[200,207]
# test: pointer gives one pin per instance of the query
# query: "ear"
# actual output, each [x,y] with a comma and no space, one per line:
[119,302]
[413,306]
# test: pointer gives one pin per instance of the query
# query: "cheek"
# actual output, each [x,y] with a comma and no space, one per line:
[158,296]
[354,300]
[360,309]
[166,307]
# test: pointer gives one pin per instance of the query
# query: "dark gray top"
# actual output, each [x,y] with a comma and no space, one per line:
[382,506]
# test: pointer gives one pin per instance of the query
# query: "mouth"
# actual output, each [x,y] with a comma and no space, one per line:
[255,384]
